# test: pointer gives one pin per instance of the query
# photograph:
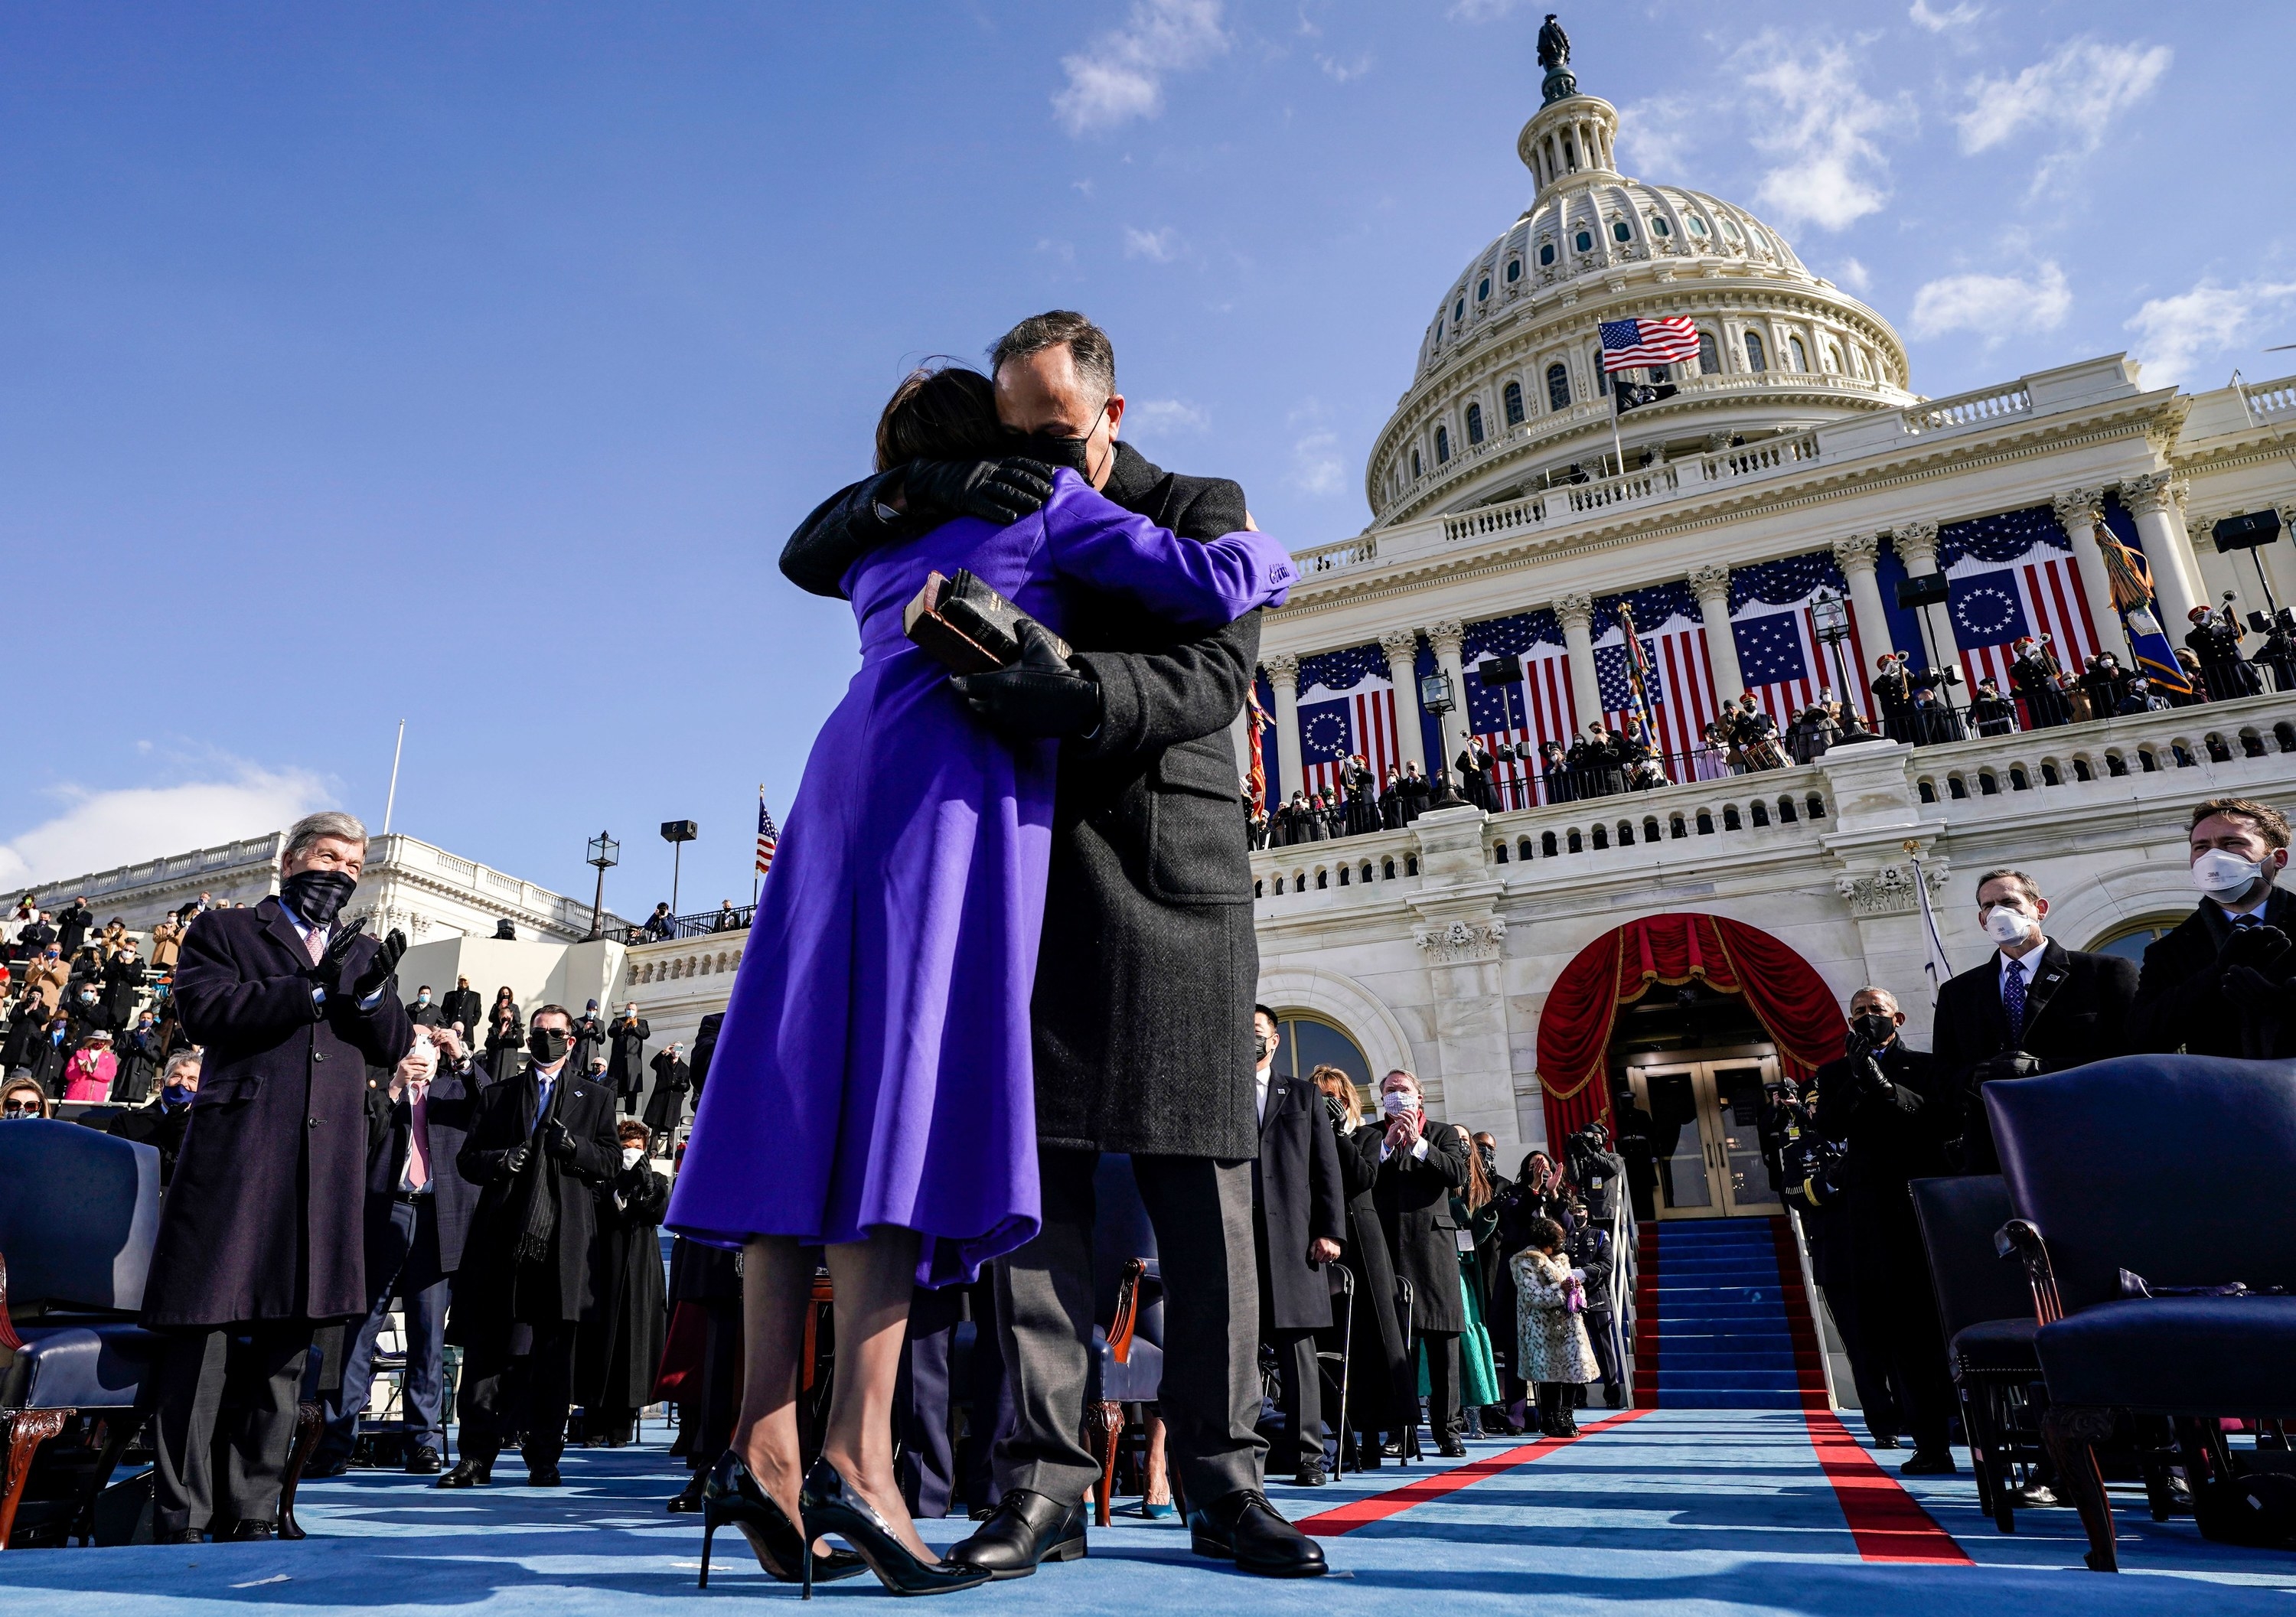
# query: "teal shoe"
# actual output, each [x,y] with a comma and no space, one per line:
[1158,1512]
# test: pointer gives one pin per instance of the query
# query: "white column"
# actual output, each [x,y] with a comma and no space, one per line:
[1857,555]
[1575,613]
[1402,648]
[2078,510]
[1283,674]
[2280,559]
[2176,576]
[1446,638]
[1711,584]
[1916,545]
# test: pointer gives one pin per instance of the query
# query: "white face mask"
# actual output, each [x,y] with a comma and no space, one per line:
[2006,925]
[631,1155]
[2221,874]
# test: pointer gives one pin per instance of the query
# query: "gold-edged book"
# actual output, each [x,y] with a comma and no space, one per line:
[967,626]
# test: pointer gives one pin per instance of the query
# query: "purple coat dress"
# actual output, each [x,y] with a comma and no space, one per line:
[873,1068]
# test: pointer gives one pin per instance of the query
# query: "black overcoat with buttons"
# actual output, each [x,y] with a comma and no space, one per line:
[264,1217]
[1296,1198]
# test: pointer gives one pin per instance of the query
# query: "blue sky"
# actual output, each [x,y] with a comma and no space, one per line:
[468,364]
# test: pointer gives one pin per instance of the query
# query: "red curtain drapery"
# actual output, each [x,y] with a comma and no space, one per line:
[1786,996]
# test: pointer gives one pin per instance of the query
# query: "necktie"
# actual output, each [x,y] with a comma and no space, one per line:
[316,943]
[2013,1001]
[418,1139]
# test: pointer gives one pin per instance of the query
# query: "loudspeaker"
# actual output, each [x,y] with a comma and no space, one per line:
[2247,532]
[679,831]
[1930,589]
[1500,671]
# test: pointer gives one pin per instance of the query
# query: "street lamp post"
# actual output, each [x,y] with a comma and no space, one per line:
[678,834]
[1435,696]
[604,853]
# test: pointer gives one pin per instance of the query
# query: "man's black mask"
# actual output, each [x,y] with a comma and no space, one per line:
[317,895]
[548,1044]
[1053,450]
[1876,1028]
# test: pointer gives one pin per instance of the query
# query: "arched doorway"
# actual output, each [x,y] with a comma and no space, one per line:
[1694,1012]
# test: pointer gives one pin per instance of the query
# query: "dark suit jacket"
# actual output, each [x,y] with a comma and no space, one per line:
[1145,976]
[2179,1002]
[464,1005]
[1297,1198]
[265,1217]
[1893,1139]
[625,1066]
[2076,1012]
[1413,1199]
[448,1115]
[665,1108]
[503,1119]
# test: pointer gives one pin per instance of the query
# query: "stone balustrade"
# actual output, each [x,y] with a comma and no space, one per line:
[1966,410]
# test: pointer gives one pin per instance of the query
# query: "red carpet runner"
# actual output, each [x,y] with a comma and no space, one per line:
[1362,1513]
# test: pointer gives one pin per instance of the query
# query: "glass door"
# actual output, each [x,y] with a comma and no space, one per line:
[1706,1136]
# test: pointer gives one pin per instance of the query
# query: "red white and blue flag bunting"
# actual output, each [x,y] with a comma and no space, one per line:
[2012,575]
[1673,641]
[1780,656]
[1525,712]
[1346,706]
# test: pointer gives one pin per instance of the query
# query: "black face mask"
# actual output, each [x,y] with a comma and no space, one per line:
[1876,1028]
[548,1045]
[317,895]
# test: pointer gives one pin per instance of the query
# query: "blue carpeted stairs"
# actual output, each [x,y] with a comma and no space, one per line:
[1716,1323]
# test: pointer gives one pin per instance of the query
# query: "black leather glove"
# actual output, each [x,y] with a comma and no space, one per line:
[2264,947]
[998,491]
[327,972]
[1039,695]
[2009,1063]
[2250,990]
[514,1164]
[379,969]
[558,1142]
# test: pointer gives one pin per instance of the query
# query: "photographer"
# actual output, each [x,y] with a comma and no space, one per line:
[1886,1104]
[2224,982]
[2034,1006]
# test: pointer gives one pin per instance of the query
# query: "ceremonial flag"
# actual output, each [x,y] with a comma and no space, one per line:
[1676,676]
[2132,597]
[768,837]
[1255,721]
[1628,345]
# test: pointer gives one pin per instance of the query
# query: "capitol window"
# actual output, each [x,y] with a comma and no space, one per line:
[1584,241]
[1602,376]
[1697,226]
[1474,424]
[1515,271]
[1729,233]
[1800,354]
[1710,355]
[1458,311]
[1546,252]
[1660,228]
[1833,357]
[1513,397]
[1482,289]
[1442,445]
[1558,386]
[1414,463]
[1754,359]
[1620,232]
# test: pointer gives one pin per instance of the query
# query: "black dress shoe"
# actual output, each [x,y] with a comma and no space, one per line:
[544,1476]
[243,1532]
[318,1470]
[423,1463]
[1243,1527]
[1023,1529]
[467,1473]
[1887,1440]
[1310,1476]
[1452,1448]
[181,1535]
[1927,1466]
[688,1499]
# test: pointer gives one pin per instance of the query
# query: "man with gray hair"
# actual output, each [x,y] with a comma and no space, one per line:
[261,1233]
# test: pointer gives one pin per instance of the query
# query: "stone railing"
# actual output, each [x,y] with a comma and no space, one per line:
[715,955]
[1966,410]
[1331,558]
[2272,398]
[1569,502]
[2217,736]
[262,850]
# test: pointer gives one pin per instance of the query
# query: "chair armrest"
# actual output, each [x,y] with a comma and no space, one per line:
[2022,1241]
[1126,1320]
[9,1340]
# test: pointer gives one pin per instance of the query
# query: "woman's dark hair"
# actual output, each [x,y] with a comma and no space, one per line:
[1546,1235]
[944,413]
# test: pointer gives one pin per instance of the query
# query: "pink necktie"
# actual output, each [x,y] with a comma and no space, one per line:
[418,1140]
[316,943]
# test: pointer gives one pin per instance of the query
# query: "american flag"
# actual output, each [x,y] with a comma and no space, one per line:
[2013,575]
[1346,706]
[1628,345]
[1524,713]
[1780,657]
[768,837]
[1674,646]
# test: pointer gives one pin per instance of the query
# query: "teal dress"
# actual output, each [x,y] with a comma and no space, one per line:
[1478,1376]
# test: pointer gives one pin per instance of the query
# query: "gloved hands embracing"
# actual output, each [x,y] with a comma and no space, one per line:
[1040,695]
[999,491]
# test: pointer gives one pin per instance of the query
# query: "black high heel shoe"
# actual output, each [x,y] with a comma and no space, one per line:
[831,1506]
[731,1498]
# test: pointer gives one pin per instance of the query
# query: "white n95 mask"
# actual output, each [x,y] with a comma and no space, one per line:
[2219,874]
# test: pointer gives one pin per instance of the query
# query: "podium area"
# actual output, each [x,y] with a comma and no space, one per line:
[1760,1511]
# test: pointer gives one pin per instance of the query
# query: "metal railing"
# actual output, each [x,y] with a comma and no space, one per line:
[703,924]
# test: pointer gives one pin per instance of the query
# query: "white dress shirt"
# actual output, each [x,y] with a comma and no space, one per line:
[2026,968]
[1259,1087]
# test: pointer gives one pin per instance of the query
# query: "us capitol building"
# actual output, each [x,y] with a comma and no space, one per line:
[1526,963]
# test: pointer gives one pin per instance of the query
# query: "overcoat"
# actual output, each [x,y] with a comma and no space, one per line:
[502,1120]
[1298,1197]
[2076,1012]
[625,1066]
[2180,1000]
[1142,1008]
[1384,1386]
[1413,1198]
[618,1346]
[665,1108]
[263,1219]
[464,1005]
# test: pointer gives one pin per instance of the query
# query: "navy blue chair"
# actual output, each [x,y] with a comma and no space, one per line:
[2174,1169]
[1127,1335]
[80,1212]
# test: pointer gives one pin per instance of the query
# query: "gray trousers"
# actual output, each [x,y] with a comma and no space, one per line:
[232,1391]
[1202,1210]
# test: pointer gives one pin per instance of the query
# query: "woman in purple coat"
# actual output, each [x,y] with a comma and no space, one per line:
[872,1090]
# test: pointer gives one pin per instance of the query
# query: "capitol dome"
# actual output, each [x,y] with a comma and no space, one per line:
[1509,394]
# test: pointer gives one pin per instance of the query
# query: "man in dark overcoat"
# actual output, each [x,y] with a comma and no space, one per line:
[618,1345]
[418,1216]
[589,1038]
[2224,981]
[626,1038]
[2033,1007]
[1419,1168]
[261,1231]
[1298,1219]
[1145,974]
[464,1005]
[1382,1391]
[72,926]
[665,1108]
[540,1141]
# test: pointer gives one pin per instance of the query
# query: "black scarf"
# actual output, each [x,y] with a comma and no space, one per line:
[535,1196]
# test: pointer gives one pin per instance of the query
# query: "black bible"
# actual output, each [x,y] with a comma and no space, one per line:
[968,626]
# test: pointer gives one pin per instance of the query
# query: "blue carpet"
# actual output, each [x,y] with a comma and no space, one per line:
[1713,1319]
[1677,1511]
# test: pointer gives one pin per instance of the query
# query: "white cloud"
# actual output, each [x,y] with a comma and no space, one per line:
[1481,11]
[1316,467]
[1832,171]
[2071,98]
[1157,246]
[1167,417]
[99,830]
[1340,72]
[1660,136]
[1121,76]
[1938,22]
[2173,334]
[1993,305]
[1855,276]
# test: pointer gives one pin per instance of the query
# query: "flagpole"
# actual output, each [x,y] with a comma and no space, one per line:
[1940,968]
[1618,449]
[753,854]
